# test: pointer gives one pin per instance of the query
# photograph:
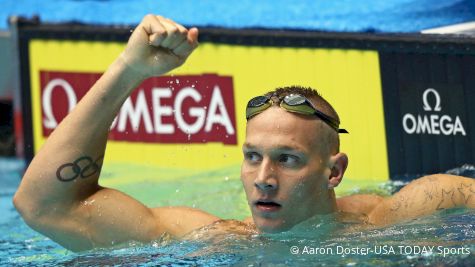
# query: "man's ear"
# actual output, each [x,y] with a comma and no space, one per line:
[339,163]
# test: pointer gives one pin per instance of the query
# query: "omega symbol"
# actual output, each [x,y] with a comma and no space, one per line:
[50,121]
[425,101]
[432,124]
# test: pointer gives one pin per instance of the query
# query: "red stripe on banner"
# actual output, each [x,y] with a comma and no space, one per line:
[169,109]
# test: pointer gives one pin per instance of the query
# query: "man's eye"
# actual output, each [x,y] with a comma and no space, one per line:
[252,156]
[289,159]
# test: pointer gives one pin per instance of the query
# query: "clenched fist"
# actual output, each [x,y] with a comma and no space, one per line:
[159,45]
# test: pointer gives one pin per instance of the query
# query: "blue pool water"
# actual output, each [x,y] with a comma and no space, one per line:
[451,231]
[342,15]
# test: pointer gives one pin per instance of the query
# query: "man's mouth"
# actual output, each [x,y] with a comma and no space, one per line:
[267,206]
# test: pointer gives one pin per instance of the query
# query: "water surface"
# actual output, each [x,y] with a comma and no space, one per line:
[220,193]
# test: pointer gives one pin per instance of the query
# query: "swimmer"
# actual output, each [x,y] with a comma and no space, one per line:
[291,165]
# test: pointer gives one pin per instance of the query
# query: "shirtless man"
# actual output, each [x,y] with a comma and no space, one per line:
[291,163]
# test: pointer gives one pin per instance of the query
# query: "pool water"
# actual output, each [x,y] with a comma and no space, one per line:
[450,234]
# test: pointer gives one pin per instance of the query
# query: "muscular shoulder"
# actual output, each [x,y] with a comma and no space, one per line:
[358,204]
[179,221]
[221,229]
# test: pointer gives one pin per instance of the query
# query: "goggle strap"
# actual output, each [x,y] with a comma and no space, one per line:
[330,121]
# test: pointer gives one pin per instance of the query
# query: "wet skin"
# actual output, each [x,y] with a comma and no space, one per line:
[288,171]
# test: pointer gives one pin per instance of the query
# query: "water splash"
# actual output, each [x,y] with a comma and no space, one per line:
[466,170]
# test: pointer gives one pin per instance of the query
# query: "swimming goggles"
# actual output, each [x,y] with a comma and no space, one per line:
[293,103]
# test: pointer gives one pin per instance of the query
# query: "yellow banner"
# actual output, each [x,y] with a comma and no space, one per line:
[349,79]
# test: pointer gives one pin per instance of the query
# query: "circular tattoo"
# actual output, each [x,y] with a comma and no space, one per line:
[83,166]
[75,170]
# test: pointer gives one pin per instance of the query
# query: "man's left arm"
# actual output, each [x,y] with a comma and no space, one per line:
[425,196]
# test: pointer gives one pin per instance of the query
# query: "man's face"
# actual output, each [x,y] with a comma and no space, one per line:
[285,169]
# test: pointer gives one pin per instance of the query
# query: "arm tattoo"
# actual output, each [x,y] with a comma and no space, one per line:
[430,192]
[83,167]
[466,191]
[447,200]
[396,205]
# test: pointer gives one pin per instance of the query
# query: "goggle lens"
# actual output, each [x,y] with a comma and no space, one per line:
[257,101]
[293,99]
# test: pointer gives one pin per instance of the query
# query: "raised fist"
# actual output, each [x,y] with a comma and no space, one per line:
[159,45]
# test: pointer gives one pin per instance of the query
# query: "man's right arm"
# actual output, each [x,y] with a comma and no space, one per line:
[59,195]
[423,197]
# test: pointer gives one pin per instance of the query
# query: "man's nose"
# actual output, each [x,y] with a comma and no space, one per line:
[266,179]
